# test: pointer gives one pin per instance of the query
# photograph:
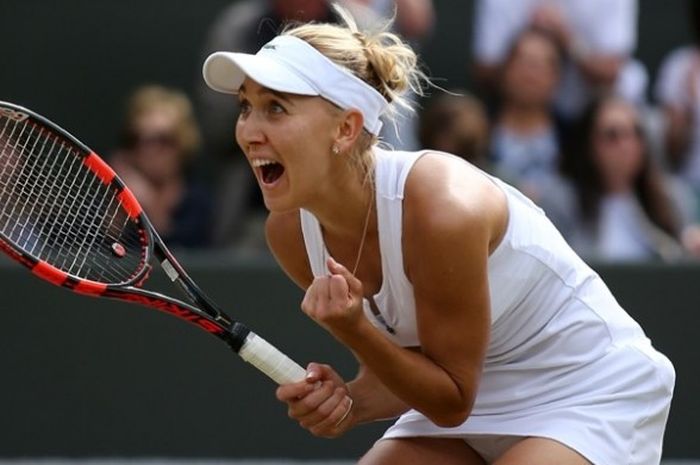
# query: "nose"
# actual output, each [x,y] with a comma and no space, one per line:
[249,131]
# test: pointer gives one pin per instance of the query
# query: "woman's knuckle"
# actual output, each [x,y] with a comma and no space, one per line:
[304,406]
[326,410]
[306,424]
[316,430]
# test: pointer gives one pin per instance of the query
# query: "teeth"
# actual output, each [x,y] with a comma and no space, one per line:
[258,162]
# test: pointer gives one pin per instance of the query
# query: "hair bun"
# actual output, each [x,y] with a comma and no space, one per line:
[390,62]
[380,58]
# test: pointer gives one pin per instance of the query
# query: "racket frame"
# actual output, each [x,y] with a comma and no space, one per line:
[207,316]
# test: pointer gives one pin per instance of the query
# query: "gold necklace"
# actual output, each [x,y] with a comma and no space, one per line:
[364,235]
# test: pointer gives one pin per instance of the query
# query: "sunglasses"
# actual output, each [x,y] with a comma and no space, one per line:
[158,139]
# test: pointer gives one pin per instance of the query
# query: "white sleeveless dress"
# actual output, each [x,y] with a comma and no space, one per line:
[564,360]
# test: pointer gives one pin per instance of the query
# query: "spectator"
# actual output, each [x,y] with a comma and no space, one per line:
[678,92]
[456,123]
[625,210]
[525,139]
[159,142]
[598,35]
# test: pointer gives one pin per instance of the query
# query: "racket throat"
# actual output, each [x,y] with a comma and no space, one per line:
[237,336]
[174,272]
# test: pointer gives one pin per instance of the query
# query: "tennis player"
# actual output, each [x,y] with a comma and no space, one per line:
[473,321]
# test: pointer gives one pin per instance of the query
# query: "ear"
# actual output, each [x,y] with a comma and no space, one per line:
[349,128]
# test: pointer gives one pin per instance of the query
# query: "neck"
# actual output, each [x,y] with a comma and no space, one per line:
[342,205]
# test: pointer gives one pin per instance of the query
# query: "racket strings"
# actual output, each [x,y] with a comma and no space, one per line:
[55,208]
[83,213]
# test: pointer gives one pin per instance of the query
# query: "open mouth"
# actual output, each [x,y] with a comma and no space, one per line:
[269,171]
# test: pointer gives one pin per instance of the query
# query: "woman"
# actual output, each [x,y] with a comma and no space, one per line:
[626,211]
[525,137]
[471,318]
[159,140]
[678,92]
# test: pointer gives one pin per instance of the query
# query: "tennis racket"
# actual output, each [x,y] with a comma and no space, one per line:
[66,216]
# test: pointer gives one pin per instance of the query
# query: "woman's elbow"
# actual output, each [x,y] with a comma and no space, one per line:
[454,416]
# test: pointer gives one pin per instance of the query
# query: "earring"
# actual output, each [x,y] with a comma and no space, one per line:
[335,149]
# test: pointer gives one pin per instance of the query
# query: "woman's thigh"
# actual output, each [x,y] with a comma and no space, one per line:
[421,451]
[540,451]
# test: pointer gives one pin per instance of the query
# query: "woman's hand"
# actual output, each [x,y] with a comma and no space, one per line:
[321,403]
[335,301]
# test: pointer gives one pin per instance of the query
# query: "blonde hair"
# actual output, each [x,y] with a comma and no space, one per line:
[380,58]
[148,98]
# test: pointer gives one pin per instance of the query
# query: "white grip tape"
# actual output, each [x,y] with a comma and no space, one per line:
[268,359]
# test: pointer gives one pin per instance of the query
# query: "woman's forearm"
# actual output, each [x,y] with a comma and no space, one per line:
[412,378]
[373,401]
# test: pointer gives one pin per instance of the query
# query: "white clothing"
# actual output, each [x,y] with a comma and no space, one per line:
[564,361]
[606,27]
[602,26]
[624,233]
[673,88]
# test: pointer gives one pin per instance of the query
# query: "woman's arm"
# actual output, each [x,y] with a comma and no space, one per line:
[328,407]
[372,400]
[320,401]
[452,217]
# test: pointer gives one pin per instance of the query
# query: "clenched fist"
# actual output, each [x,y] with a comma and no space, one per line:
[334,301]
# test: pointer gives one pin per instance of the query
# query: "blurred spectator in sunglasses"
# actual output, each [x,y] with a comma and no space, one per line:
[457,123]
[626,209]
[159,142]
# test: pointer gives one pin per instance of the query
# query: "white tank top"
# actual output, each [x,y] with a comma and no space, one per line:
[533,276]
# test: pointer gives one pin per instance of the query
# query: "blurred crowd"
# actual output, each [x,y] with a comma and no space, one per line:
[560,107]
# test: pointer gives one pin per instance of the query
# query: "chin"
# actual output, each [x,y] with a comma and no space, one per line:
[279,205]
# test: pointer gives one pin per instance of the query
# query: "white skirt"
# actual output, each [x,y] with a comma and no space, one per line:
[611,407]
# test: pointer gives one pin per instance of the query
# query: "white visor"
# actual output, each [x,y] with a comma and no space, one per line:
[289,64]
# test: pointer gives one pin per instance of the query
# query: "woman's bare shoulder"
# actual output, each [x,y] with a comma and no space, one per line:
[441,185]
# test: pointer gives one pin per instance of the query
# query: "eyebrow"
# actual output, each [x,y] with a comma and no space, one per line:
[267,90]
